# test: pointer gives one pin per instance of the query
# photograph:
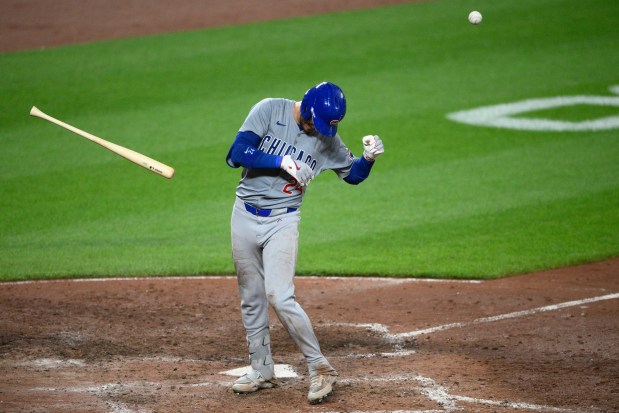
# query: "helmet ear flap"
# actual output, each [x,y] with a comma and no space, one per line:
[307,103]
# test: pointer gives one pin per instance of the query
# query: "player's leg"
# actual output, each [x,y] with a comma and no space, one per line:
[280,258]
[247,255]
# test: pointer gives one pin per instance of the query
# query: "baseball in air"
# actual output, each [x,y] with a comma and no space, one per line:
[475,17]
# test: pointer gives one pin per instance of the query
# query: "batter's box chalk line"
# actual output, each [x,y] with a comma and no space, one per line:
[396,338]
[425,386]
[393,339]
[448,402]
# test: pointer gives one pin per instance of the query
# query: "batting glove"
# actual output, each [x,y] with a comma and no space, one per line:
[298,170]
[372,147]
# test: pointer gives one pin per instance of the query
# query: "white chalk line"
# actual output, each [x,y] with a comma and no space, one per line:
[425,385]
[396,338]
[515,314]
[49,363]
[442,397]
[392,354]
[104,391]
[52,363]
[385,280]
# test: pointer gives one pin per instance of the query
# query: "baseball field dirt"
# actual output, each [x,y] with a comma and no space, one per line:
[544,342]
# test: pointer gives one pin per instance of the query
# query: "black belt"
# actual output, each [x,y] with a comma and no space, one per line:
[267,212]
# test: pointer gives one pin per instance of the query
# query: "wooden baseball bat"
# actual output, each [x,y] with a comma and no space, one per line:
[136,157]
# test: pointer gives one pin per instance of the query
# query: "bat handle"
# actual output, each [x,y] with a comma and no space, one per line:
[35,112]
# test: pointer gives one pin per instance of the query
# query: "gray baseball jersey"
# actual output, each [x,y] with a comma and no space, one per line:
[272,119]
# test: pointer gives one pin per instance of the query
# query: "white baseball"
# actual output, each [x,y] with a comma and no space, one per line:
[475,17]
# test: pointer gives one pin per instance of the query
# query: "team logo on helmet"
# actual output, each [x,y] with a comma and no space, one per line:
[334,122]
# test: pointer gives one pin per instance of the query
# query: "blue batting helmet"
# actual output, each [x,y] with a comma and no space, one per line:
[325,105]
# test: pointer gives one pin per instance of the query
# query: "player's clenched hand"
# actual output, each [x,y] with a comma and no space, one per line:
[298,170]
[372,147]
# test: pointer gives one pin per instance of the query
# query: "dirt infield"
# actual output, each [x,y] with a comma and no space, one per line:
[543,342]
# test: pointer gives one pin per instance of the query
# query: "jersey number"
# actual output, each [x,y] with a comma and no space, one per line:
[292,185]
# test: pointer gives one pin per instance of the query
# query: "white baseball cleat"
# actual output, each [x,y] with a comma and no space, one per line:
[251,382]
[321,386]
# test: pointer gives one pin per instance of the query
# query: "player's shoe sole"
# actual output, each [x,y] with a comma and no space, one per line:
[321,387]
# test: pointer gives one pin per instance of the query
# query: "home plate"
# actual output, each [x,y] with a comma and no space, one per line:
[281,371]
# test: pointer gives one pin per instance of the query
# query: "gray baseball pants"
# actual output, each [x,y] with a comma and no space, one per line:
[265,257]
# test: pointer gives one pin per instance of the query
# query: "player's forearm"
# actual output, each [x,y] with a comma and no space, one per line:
[250,157]
[359,171]
[244,152]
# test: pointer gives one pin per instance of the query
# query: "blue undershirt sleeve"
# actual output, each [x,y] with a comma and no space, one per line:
[359,171]
[244,152]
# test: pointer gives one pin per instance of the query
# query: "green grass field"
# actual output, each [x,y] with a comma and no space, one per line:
[446,200]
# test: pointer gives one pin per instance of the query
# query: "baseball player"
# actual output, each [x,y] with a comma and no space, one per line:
[282,145]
